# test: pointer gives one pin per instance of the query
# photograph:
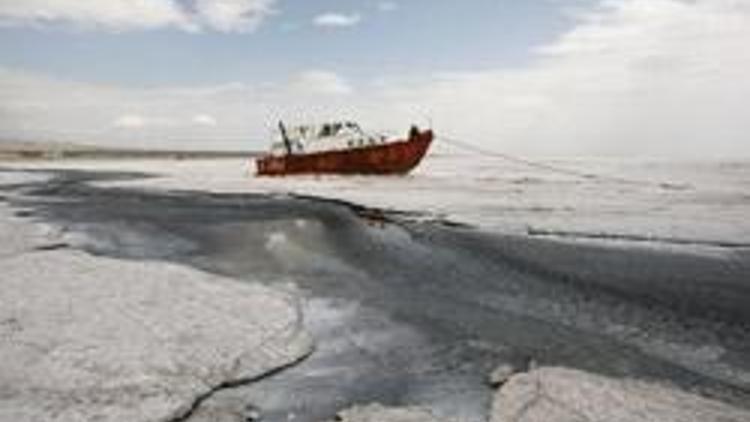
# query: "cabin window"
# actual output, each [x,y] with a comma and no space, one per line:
[325,131]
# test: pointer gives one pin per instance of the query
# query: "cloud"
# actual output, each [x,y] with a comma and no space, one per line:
[633,77]
[630,77]
[130,121]
[125,15]
[204,120]
[387,6]
[321,82]
[39,107]
[233,15]
[337,20]
[114,14]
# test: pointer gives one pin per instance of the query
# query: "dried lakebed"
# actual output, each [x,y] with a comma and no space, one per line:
[410,313]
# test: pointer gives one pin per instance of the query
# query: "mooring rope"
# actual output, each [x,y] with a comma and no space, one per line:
[553,168]
[529,163]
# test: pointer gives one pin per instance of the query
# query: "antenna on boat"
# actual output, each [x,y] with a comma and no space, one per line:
[285,138]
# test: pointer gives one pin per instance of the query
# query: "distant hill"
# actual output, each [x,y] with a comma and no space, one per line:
[19,150]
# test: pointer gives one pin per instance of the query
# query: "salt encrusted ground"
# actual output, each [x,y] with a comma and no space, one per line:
[86,338]
[567,395]
[554,394]
[378,413]
[644,202]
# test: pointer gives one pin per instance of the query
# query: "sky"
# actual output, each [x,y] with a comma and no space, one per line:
[543,77]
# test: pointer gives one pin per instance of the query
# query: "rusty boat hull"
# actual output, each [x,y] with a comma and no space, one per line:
[397,157]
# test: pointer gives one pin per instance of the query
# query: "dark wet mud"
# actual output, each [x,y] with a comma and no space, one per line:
[409,312]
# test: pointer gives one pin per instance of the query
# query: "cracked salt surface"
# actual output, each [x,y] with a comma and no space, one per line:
[565,395]
[98,338]
[92,338]
[418,313]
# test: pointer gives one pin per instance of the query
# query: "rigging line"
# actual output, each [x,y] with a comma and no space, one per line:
[475,148]
[526,162]
[552,168]
[529,163]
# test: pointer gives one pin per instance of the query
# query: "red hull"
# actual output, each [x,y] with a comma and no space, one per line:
[392,158]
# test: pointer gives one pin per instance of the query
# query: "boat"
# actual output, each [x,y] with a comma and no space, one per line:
[342,148]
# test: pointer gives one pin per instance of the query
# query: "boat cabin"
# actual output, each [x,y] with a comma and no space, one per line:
[306,139]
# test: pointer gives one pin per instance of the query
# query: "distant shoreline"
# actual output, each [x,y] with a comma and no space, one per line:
[15,150]
[94,155]
[15,154]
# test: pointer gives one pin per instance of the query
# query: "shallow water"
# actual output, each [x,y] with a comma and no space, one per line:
[419,312]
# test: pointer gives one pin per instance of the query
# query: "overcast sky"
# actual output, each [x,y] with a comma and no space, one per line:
[549,77]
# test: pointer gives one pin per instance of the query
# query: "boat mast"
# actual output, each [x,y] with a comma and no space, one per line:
[285,138]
